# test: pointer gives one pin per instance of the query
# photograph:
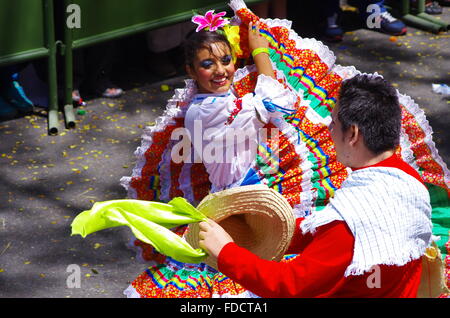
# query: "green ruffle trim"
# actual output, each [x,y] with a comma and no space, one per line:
[440,215]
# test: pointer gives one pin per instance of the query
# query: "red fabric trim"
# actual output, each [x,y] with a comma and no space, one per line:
[237,109]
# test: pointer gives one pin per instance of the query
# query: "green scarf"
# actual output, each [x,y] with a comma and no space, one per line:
[149,221]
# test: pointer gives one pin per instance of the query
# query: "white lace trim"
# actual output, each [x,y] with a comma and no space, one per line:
[131,292]
[243,72]
[185,183]
[313,116]
[172,111]
[325,54]
[345,72]
[165,179]
[271,23]
[236,5]
[406,151]
[308,195]
[421,119]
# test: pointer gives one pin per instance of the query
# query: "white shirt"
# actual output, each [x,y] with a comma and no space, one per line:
[227,145]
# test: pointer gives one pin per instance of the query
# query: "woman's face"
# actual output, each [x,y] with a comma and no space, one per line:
[213,70]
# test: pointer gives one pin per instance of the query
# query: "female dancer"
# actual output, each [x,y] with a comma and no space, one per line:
[297,159]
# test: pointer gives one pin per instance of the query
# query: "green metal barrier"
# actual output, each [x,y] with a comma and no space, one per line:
[417,17]
[439,26]
[31,33]
[104,20]
[27,34]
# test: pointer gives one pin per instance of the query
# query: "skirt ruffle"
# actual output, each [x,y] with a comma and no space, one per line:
[298,160]
[173,279]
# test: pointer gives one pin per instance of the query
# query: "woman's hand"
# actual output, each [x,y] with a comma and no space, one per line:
[255,39]
[213,237]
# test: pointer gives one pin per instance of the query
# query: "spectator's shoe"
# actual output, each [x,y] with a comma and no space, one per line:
[433,8]
[105,88]
[390,25]
[76,98]
[6,110]
[334,33]
[113,92]
[15,95]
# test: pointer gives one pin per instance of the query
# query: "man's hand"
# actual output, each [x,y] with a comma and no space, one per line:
[213,237]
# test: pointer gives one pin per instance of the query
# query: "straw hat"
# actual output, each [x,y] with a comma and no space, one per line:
[256,217]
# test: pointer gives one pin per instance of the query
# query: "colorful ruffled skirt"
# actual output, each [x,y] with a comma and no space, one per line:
[299,161]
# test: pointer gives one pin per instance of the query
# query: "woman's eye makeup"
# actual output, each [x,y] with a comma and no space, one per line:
[226,59]
[206,63]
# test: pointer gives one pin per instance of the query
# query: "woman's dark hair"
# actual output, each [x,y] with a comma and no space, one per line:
[371,103]
[201,40]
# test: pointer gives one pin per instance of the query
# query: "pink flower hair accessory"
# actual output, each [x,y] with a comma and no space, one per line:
[210,21]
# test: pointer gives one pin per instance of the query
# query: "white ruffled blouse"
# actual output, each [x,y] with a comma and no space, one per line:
[225,130]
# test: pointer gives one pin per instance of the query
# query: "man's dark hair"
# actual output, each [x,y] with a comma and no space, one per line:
[371,103]
[201,40]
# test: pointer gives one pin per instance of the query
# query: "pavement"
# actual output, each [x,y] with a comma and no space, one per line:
[45,181]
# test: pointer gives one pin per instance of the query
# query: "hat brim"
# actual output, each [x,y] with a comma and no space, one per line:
[257,218]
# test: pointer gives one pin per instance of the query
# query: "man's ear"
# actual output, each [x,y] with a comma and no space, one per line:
[354,135]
